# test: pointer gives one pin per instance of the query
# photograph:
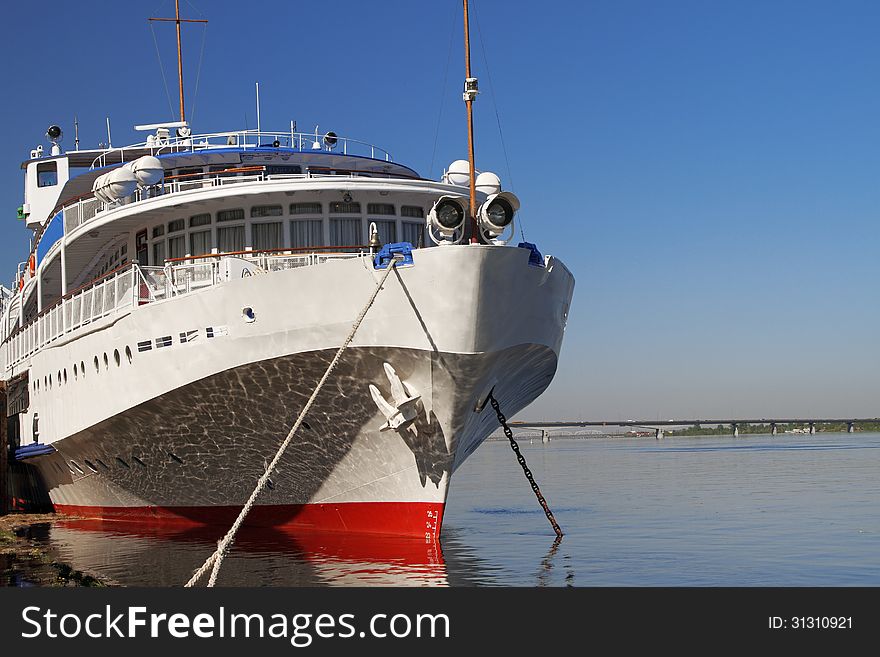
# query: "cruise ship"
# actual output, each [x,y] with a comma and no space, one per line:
[184,295]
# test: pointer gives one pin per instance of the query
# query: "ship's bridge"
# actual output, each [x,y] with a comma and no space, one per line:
[50,186]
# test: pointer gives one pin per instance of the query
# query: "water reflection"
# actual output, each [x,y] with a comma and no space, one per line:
[133,554]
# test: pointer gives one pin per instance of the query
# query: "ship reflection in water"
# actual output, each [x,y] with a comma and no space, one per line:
[132,554]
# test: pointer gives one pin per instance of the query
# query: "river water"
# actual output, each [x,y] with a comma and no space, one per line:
[794,510]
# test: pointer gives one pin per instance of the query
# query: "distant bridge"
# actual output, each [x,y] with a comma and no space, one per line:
[734,424]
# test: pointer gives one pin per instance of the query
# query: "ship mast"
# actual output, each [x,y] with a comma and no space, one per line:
[178,20]
[470,93]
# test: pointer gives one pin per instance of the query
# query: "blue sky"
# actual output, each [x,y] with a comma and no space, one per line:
[707,169]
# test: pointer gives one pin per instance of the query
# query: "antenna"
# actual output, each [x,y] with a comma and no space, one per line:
[75,133]
[178,20]
[258,113]
[109,141]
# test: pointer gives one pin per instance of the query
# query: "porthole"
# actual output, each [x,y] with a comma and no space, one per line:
[77,468]
[65,375]
[123,463]
[50,382]
[59,377]
[97,367]
[75,372]
[138,461]
[82,368]
[174,457]
[116,358]
[90,466]
[102,464]
[128,354]
[45,382]
[106,361]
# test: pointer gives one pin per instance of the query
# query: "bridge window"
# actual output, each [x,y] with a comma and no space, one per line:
[306,232]
[345,232]
[340,207]
[47,174]
[230,239]
[283,169]
[381,208]
[235,214]
[267,236]
[200,220]
[200,242]
[387,230]
[412,211]
[266,211]
[305,208]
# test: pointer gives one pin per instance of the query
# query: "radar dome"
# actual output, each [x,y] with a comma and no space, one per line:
[458,173]
[488,183]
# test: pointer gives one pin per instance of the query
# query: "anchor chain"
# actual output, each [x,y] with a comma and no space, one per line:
[522,461]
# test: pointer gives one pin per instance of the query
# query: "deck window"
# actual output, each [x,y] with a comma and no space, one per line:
[387,230]
[235,214]
[176,225]
[412,211]
[230,239]
[345,232]
[200,220]
[305,208]
[268,236]
[200,242]
[306,232]
[412,232]
[158,231]
[381,208]
[266,211]
[340,207]
[47,174]
[159,254]
[177,246]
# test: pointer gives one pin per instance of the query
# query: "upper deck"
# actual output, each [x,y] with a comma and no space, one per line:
[54,181]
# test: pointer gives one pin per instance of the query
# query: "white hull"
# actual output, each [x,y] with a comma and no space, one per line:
[188,427]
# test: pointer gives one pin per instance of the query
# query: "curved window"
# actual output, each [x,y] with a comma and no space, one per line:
[106,361]
[116,357]
[128,353]
[97,367]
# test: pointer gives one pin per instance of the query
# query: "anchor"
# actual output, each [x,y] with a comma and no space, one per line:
[402,411]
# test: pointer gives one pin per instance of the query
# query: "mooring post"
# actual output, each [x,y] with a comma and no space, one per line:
[4,452]
[773,429]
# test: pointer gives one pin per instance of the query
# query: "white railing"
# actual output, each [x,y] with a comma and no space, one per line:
[135,286]
[245,139]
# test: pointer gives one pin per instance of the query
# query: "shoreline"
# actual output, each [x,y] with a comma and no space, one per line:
[26,560]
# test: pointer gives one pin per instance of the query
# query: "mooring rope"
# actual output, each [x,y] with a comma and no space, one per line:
[215,560]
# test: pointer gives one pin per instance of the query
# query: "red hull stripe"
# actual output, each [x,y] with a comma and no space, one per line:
[420,519]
